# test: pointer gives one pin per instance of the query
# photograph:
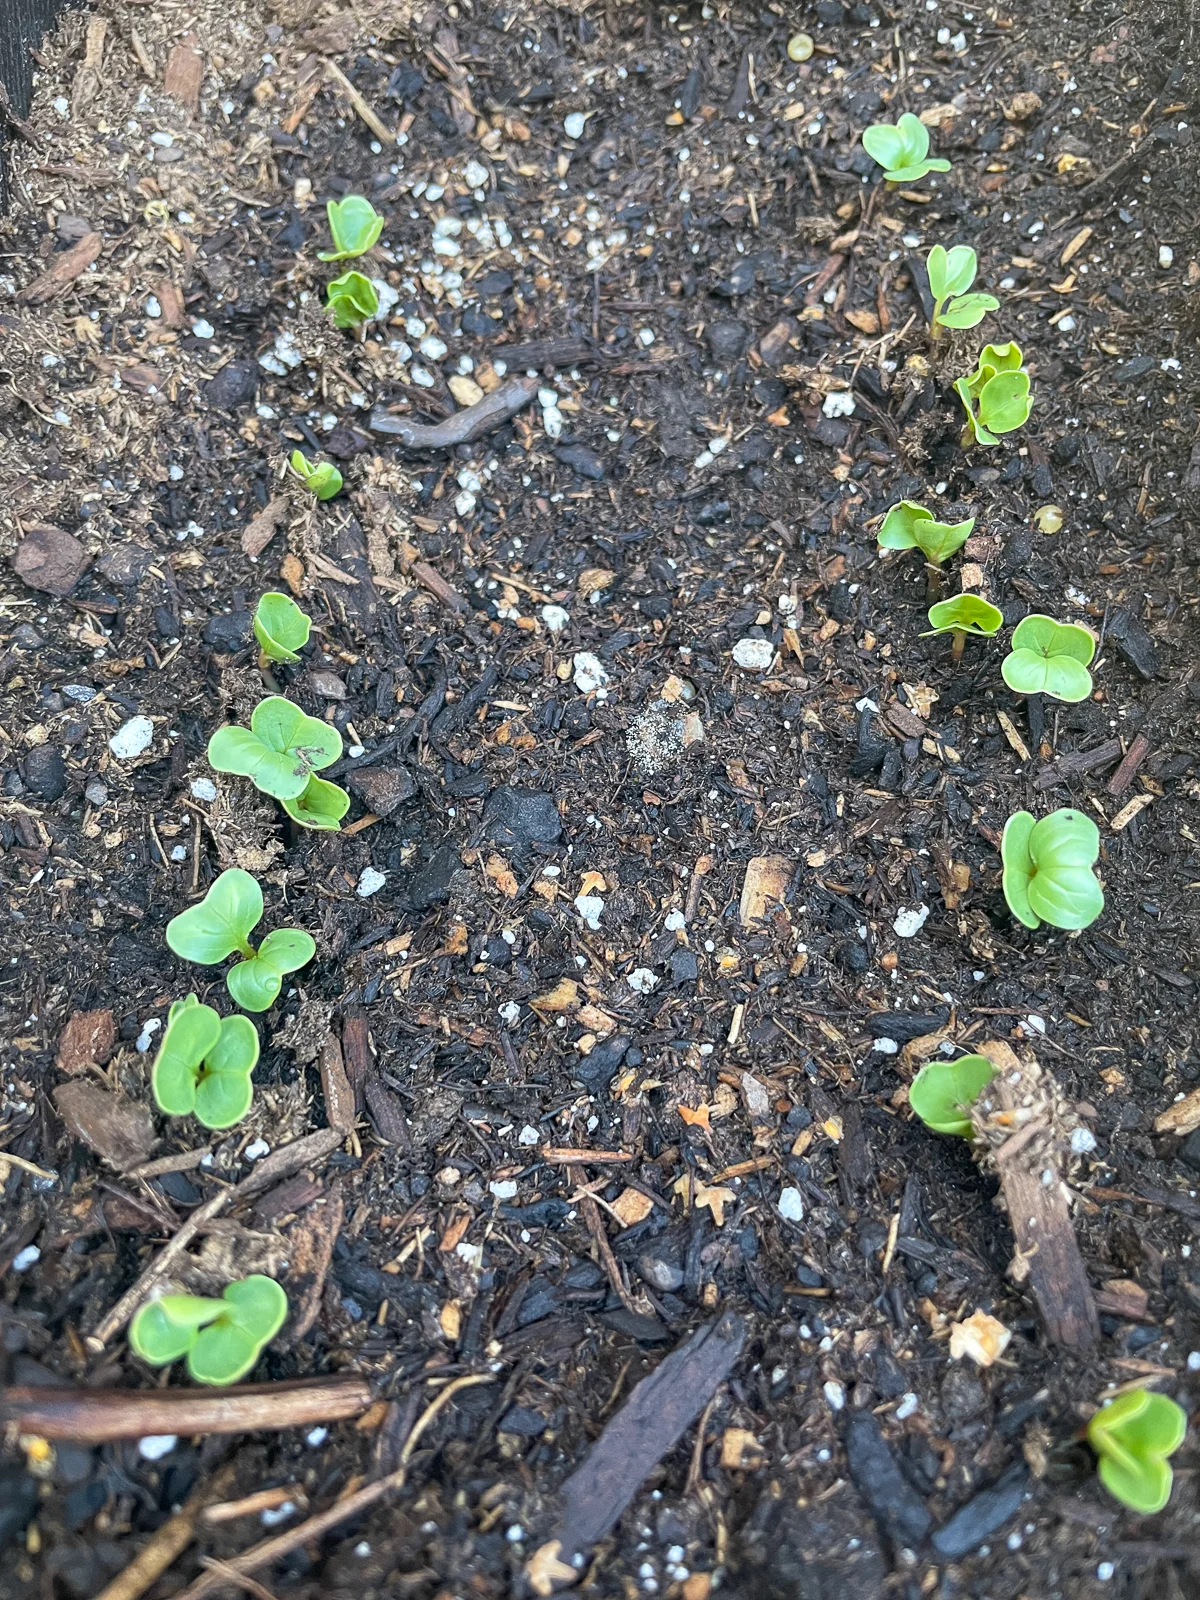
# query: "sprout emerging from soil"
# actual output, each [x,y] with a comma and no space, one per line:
[222,1339]
[1048,873]
[280,627]
[908,526]
[351,299]
[222,923]
[320,478]
[354,226]
[321,805]
[1049,657]
[964,614]
[951,274]
[902,149]
[996,395]
[1133,1438]
[204,1064]
[943,1091]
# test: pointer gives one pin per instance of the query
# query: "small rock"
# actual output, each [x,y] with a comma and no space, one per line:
[642,980]
[582,460]
[203,789]
[96,793]
[755,655]
[839,403]
[119,1130]
[1134,643]
[125,564]
[791,1205]
[382,789]
[45,772]
[81,693]
[465,390]
[87,1040]
[24,1259]
[910,920]
[659,1273]
[327,684]
[18,1502]
[156,1445]
[521,817]
[727,340]
[684,967]
[50,559]
[430,885]
[895,1504]
[574,124]
[604,1059]
[234,385]
[370,881]
[983,1516]
[229,632]
[590,907]
[132,738]
[555,618]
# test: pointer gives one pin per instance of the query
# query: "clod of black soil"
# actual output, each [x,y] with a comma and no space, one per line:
[581,460]
[727,340]
[521,817]
[1134,643]
[45,772]
[430,886]
[18,1502]
[125,564]
[983,1516]
[233,386]
[895,1504]
[229,632]
[382,789]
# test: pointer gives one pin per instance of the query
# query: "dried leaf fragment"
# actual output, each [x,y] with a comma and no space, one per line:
[981,1337]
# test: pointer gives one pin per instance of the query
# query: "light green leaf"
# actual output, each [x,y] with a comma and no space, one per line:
[280,627]
[320,478]
[1051,658]
[354,226]
[352,299]
[1004,403]
[222,1354]
[1051,638]
[322,805]
[965,613]
[1047,869]
[282,726]
[163,1330]
[224,1092]
[968,310]
[1133,1437]
[287,949]
[1018,867]
[908,525]
[254,984]
[221,923]
[258,1305]
[956,270]
[885,144]
[942,1088]
[192,1031]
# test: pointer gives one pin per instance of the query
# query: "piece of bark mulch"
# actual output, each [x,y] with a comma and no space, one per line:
[63,271]
[50,559]
[119,1130]
[87,1040]
[184,74]
[896,1506]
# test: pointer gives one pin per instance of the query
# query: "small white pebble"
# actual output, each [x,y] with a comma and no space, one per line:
[256,1150]
[909,921]
[24,1259]
[204,789]
[202,328]
[1083,1141]
[555,618]
[835,1394]
[909,1404]
[1105,1571]
[528,1135]
[316,1437]
[840,403]
[370,881]
[515,1534]
[754,655]
[149,1028]
[886,1047]
[642,980]
[156,1445]
[574,124]
[791,1205]
[362,1549]
[132,738]
[1166,256]
[1193,1361]
[274,1515]
[674,921]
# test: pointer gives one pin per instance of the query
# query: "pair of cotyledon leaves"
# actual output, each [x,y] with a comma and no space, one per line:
[204,1064]
[220,1338]
[996,395]
[280,752]
[951,273]
[221,925]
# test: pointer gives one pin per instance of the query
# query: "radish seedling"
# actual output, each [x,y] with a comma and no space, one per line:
[320,478]
[280,627]
[996,394]
[1048,873]
[319,805]
[964,614]
[1133,1437]
[352,299]
[204,1065]
[1049,657]
[908,526]
[902,149]
[951,274]
[279,751]
[222,1339]
[354,226]
[222,923]
[942,1090]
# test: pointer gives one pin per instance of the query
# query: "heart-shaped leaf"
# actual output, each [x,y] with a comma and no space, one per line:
[165,1329]
[1050,657]
[1048,873]
[320,478]
[221,923]
[885,143]
[352,299]
[908,525]
[968,310]
[354,226]
[280,627]
[192,1031]
[1004,403]
[965,613]
[941,1089]
[322,805]
[280,749]
[1133,1438]
[255,984]
[224,1090]
[950,271]
[222,1339]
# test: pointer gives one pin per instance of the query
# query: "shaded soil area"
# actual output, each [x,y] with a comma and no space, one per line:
[673,846]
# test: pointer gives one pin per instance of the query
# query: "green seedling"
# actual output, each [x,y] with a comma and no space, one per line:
[951,274]
[204,1065]
[902,149]
[222,1339]
[280,627]
[352,299]
[1133,1437]
[320,478]
[1049,657]
[943,1090]
[279,751]
[222,923]
[320,805]
[964,614]
[354,226]
[996,394]
[908,526]
[1048,873]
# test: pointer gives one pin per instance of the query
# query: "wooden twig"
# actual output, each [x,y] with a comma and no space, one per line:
[595,1223]
[240,1580]
[565,1156]
[261,1555]
[167,1544]
[380,129]
[99,1416]
[1127,771]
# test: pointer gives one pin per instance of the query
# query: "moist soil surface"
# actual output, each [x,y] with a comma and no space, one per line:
[672,836]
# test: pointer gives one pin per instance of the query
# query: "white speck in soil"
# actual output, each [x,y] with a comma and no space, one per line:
[132,738]
[555,618]
[274,1515]
[755,655]
[835,1394]
[370,882]
[908,1405]
[589,907]
[590,672]
[528,1135]
[156,1445]
[909,921]
[642,980]
[885,1047]
[24,1259]
[257,1150]
[791,1205]
[574,124]
[504,1188]
[840,403]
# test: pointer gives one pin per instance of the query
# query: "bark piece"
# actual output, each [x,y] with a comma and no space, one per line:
[339,1096]
[763,888]
[119,1130]
[311,1242]
[1127,771]
[464,427]
[184,74]
[87,1040]
[1081,761]
[262,528]
[50,559]
[1024,1126]
[650,1423]
[63,270]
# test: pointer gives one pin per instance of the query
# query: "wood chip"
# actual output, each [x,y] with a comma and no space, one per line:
[1130,810]
[1010,733]
[763,888]
[184,74]
[86,1041]
[63,271]
[1181,1118]
[262,528]
[631,1207]
[1075,246]
[381,131]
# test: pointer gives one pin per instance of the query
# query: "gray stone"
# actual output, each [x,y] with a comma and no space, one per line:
[521,817]
[229,633]
[727,340]
[895,1504]
[983,1516]
[45,772]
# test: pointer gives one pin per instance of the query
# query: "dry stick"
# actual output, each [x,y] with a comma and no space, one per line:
[165,1546]
[241,1579]
[283,1544]
[133,1296]
[99,1416]
[595,1222]
[381,131]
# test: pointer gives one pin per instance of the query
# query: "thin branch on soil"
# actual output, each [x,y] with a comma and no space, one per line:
[316,1527]
[168,1543]
[595,1223]
[241,1579]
